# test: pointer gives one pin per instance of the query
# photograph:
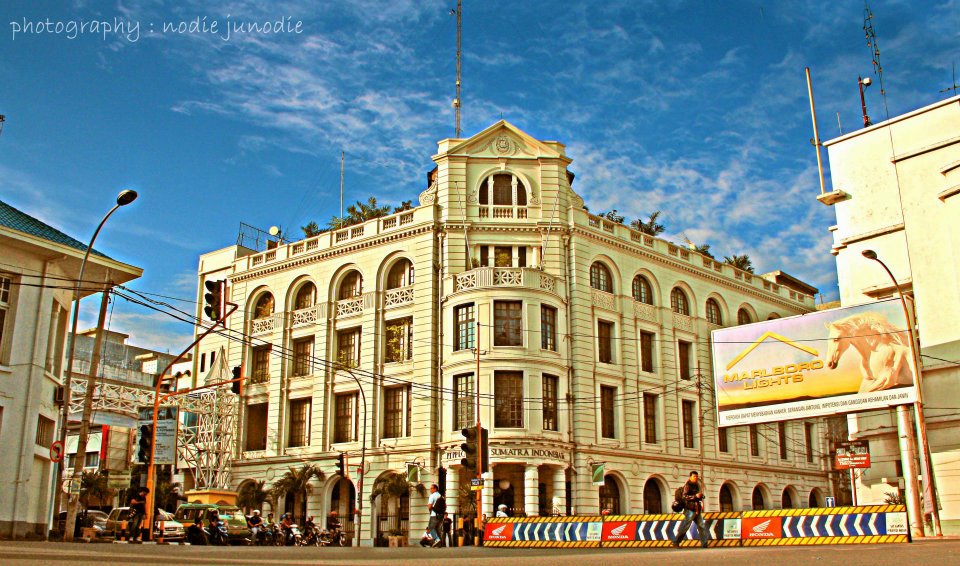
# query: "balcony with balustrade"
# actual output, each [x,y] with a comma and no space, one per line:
[502,277]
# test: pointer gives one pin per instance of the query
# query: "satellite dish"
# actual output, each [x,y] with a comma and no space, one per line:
[274,230]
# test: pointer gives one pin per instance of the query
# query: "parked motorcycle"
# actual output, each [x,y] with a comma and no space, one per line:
[311,536]
[293,536]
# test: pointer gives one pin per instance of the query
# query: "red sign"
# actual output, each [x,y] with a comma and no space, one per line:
[853,455]
[56,451]
[762,527]
[619,530]
[496,531]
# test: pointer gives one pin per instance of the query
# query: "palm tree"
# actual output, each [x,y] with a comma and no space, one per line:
[704,249]
[252,495]
[613,216]
[93,485]
[297,482]
[741,262]
[363,211]
[389,485]
[311,230]
[650,227]
[405,205]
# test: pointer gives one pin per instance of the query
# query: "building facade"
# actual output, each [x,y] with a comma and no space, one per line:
[897,192]
[588,341]
[38,267]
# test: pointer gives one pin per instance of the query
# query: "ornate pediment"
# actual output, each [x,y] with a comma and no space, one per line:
[503,140]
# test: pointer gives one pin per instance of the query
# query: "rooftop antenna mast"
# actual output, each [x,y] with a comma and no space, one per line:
[456,101]
[341,186]
[871,36]
[954,88]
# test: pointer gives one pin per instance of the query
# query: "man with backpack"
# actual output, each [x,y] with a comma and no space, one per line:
[437,507]
[689,499]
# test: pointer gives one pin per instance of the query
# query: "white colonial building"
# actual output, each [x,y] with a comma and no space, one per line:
[38,267]
[593,342]
[897,192]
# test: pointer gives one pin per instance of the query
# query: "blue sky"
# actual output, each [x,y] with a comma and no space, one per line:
[698,109]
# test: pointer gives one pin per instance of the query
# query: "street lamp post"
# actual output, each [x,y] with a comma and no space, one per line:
[927,469]
[363,453]
[123,199]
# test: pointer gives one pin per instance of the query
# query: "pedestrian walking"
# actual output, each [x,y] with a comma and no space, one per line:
[691,497]
[437,506]
[447,530]
[138,509]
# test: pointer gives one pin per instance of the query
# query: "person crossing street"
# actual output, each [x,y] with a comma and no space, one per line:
[691,497]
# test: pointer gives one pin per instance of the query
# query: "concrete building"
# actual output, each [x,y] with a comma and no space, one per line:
[593,348]
[38,268]
[896,191]
[123,365]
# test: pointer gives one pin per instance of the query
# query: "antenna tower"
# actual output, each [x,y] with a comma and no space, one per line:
[871,36]
[456,101]
[954,88]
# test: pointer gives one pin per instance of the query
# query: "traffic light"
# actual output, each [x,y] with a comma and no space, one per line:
[470,448]
[235,386]
[442,480]
[341,466]
[213,299]
[145,443]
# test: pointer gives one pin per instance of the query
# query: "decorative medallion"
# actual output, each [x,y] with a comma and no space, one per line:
[503,145]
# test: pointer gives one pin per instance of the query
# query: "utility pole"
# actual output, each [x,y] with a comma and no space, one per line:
[80,457]
[700,419]
[479,431]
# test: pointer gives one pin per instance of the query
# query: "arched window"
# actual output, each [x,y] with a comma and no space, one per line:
[679,302]
[503,189]
[264,306]
[713,312]
[306,296]
[401,274]
[642,291]
[773,316]
[743,317]
[610,495]
[351,286]
[757,499]
[726,498]
[814,500]
[786,502]
[600,278]
[652,497]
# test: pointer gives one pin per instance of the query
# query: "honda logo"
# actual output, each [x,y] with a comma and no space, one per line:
[499,530]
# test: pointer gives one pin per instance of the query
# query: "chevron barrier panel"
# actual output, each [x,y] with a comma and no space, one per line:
[833,525]
[781,527]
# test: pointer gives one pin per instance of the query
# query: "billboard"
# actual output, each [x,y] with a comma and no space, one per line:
[823,363]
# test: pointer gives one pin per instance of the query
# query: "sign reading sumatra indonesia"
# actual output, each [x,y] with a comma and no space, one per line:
[823,363]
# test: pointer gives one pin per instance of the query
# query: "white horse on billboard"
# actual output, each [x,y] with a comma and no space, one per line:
[884,350]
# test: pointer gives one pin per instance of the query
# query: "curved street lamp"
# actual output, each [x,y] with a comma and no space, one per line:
[124,198]
[927,469]
[363,452]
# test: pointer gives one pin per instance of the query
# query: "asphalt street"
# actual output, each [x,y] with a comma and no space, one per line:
[936,552]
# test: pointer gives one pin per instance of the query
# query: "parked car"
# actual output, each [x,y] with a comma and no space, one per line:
[231,516]
[172,529]
[96,519]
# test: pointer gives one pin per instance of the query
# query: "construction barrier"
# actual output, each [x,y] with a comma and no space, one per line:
[830,525]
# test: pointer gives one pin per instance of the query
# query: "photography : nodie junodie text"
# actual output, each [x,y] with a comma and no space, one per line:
[132,30]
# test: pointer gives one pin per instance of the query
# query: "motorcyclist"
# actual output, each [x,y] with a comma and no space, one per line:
[195,533]
[255,522]
[286,523]
[333,528]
